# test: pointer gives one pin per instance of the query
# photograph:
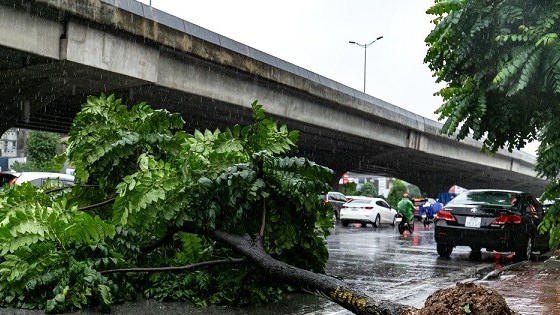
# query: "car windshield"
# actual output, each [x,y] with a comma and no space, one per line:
[360,201]
[495,198]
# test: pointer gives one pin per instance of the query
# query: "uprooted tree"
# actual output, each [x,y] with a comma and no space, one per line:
[223,217]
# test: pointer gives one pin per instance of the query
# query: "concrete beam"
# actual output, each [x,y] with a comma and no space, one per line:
[30,33]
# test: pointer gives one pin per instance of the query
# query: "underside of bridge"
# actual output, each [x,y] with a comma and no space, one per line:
[43,94]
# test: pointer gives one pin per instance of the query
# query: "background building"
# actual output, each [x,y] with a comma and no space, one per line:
[382,184]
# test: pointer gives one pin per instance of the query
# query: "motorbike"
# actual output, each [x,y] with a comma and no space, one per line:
[427,219]
[405,224]
[427,215]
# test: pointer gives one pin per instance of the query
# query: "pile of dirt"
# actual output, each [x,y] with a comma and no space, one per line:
[466,298]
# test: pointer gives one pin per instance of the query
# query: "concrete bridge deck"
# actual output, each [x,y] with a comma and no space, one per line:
[53,53]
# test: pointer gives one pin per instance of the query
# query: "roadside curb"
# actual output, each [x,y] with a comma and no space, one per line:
[551,262]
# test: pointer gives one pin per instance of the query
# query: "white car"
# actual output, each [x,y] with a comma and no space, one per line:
[36,178]
[374,211]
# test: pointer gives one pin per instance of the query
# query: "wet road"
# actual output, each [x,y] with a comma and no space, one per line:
[380,261]
[400,268]
[407,269]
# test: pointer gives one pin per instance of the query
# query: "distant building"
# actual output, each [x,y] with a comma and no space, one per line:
[9,143]
[382,184]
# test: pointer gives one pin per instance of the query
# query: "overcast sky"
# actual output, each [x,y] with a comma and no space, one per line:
[315,35]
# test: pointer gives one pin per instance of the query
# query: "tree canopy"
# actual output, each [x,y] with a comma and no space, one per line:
[368,190]
[500,63]
[396,192]
[41,149]
[349,189]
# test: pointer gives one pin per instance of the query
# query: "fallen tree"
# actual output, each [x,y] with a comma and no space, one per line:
[222,217]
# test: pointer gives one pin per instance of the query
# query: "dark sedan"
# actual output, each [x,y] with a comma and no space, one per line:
[336,200]
[498,220]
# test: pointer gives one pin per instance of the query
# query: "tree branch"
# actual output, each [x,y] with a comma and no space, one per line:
[97,205]
[168,237]
[66,187]
[261,234]
[57,189]
[332,288]
[179,268]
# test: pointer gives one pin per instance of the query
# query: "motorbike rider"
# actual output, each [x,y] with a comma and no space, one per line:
[406,208]
[427,213]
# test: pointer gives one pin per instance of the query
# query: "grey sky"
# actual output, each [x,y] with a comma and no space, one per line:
[314,34]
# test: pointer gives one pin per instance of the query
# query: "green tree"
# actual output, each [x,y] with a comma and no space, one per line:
[41,149]
[395,193]
[500,63]
[414,191]
[210,217]
[368,190]
[349,189]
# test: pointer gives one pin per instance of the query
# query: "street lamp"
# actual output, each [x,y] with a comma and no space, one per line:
[365,46]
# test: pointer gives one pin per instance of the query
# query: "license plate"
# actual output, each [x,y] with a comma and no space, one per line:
[472,222]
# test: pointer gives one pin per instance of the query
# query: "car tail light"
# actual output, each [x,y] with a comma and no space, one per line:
[445,215]
[507,218]
[368,207]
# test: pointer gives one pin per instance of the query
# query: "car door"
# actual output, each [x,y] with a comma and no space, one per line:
[336,200]
[384,211]
[535,213]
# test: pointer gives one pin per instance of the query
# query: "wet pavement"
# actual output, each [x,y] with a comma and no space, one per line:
[390,266]
[530,288]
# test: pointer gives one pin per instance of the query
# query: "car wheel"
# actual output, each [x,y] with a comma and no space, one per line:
[444,250]
[401,228]
[377,221]
[475,253]
[524,251]
[394,221]
[344,222]
[475,249]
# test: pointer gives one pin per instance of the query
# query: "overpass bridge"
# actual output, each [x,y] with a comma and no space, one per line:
[54,53]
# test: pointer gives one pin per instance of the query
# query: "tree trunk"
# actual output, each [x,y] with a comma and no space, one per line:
[332,288]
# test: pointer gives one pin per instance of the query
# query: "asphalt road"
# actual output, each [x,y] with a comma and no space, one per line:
[400,268]
[379,261]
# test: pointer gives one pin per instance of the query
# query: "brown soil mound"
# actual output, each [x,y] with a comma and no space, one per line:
[464,299]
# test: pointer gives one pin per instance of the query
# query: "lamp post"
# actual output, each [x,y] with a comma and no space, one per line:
[365,46]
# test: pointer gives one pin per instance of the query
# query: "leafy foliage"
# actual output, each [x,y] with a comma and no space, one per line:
[41,149]
[349,189]
[147,193]
[395,194]
[368,190]
[500,60]
[413,191]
